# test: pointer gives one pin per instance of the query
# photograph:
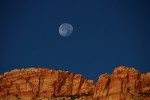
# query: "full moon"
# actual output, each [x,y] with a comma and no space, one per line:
[65,29]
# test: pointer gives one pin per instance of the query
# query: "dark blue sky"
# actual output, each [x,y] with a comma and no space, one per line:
[107,33]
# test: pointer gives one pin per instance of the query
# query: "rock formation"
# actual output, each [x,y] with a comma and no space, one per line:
[48,84]
[123,84]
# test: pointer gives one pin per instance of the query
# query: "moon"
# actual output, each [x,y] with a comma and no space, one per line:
[65,29]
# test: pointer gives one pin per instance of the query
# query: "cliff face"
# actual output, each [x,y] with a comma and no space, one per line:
[123,84]
[41,83]
[44,84]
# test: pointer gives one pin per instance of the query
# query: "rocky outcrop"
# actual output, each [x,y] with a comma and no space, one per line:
[47,84]
[123,84]
[41,83]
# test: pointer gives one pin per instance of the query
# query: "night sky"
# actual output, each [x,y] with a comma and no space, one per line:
[107,33]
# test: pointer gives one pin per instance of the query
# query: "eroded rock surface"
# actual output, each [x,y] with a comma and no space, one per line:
[47,84]
[41,83]
[123,84]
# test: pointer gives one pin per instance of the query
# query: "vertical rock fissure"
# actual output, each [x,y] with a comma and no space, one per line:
[80,84]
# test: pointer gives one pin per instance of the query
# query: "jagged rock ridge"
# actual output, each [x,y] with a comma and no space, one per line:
[48,84]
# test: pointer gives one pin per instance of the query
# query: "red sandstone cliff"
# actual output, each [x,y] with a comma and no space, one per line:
[44,84]
[123,84]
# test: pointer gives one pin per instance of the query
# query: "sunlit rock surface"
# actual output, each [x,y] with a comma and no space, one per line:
[47,84]
[123,84]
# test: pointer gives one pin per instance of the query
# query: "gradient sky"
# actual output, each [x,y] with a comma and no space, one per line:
[107,33]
